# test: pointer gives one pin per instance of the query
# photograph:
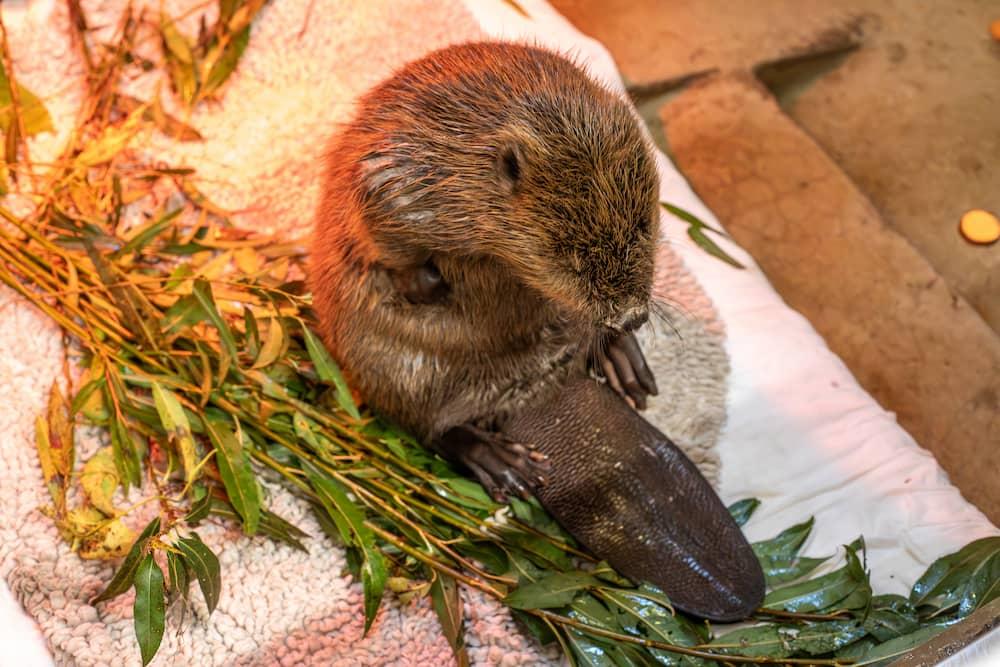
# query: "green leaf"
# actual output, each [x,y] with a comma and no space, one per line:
[786,543]
[697,234]
[177,426]
[755,641]
[742,510]
[201,507]
[825,637]
[778,556]
[205,566]
[234,469]
[589,652]
[466,492]
[183,314]
[643,613]
[891,616]
[125,575]
[968,578]
[329,371]
[226,63]
[180,60]
[846,588]
[554,590]
[781,570]
[148,232]
[202,291]
[126,454]
[149,608]
[34,115]
[271,525]
[539,629]
[448,605]
[882,654]
[86,391]
[177,570]
[350,523]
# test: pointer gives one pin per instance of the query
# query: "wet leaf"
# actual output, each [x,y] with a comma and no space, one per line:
[123,577]
[234,468]
[968,578]
[588,651]
[844,588]
[99,479]
[448,606]
[825,637]
[177,426]
[883,654]
[891,616]
[755,641]
[149,609]
[778,556]
[204,565]
[742,510]
[554,590]
[645,617]
[329,371]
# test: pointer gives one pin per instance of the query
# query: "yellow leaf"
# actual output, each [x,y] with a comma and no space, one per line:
[279,271]
[81,522]
[99,480]
[215,267]
[248,261]
[113,140]
[60,433]
[273,344]
[113,540]
[44,446]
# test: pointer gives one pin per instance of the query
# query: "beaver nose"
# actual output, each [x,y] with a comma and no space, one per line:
[629,321]
[634,320]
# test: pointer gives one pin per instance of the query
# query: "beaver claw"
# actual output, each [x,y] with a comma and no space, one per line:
[501,465]
[622,363]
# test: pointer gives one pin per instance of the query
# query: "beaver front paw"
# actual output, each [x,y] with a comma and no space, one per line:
[501,465]
[621,362]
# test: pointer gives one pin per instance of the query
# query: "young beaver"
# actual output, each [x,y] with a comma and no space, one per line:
[486,229]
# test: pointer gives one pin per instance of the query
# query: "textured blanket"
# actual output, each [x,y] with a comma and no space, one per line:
[306,63]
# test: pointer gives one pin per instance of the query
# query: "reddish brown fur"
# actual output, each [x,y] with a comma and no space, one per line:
[539,258]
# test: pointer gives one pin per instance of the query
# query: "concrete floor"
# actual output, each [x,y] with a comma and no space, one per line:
[839,141]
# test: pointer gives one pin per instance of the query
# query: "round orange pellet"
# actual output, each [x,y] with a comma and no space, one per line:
[979,226]
[995,30]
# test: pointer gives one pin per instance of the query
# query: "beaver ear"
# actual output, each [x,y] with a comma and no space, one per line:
[509,166]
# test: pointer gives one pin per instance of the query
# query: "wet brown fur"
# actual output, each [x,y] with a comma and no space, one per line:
[539,258]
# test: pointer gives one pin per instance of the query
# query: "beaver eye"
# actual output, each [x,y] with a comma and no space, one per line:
[509,166]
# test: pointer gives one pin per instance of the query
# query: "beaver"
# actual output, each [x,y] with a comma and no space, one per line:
[486,231]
